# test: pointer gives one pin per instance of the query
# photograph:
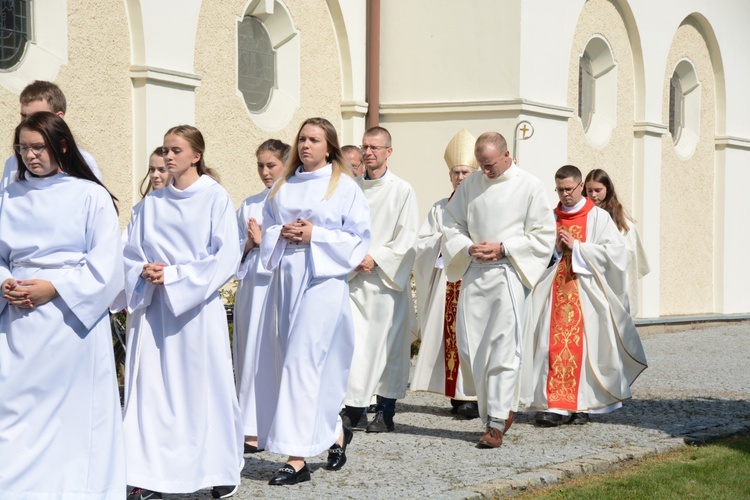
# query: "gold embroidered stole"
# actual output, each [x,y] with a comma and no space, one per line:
[449,337]
[566,321]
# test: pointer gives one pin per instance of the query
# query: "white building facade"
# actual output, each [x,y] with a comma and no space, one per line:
[651,92]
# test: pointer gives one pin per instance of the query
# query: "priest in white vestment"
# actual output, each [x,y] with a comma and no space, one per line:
[60,419]
[181,417]
[499,234]
[380,290]
[252,285]
[582,350]
[437,364]
[316,230]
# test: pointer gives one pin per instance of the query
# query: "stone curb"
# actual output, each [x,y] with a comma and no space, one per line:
[589,465]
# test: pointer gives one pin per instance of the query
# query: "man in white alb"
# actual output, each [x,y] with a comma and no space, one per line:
[499,234]
[380,290]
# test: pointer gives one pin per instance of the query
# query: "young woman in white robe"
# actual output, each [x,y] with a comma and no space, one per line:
[60,268]
[181,418]
[251,289]
[316,229]
[601,190]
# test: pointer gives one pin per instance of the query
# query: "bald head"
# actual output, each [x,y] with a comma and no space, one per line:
[491,151]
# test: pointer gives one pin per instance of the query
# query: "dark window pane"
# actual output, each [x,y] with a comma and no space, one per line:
[14,31]
[256,65]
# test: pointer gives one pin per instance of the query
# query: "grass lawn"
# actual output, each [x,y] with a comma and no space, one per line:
[718,470]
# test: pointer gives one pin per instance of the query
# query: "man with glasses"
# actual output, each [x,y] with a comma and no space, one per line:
[582,349]
[41,96]
[380,290]
[353,156]
[499,236]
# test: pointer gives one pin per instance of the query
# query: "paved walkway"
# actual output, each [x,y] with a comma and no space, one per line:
[697,385]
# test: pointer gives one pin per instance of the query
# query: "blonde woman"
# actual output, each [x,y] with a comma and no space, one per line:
[316,231]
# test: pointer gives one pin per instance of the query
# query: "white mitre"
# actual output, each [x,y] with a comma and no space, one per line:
[460,150]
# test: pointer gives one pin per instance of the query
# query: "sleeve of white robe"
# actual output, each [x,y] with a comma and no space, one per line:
[337,251]
[242,218]
[271,245]
[187,285]
[428,249]
[138,291]
[457,237]
[530,252]
[605,252]
[395,259]
[89,290]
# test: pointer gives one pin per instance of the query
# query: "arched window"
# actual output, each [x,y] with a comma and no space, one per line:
[14,31]
[597,91]
[256,76]
[586,91]
[684,108]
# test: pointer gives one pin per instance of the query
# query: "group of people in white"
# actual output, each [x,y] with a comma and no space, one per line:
[518,305]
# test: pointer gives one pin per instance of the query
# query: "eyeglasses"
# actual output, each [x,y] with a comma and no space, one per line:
[23,149]
[374,149]
[568,190]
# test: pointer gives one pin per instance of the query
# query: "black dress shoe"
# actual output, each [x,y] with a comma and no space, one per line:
[287,475]
[337,453]
[469,409]
[252,449]
[224,491]
[143,494]
[579,418]
[381,423]
[544,419]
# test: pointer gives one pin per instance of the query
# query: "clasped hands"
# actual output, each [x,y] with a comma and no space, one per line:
[29,293]
[253,233]
[298,232]
[153,272]
[487,251]
[564,240]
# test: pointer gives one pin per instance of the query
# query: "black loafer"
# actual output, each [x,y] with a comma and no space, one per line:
[224,491]
[337,453]
[287,475]
[469,410]
[579,418]
[381,423]
[544,419]
[252,449]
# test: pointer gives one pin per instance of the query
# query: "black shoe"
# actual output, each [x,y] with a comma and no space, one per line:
[381,423]
[579,418]
[252,449]
[469,409]
[143,494]
[224,491]
[544,419]
[337,453]
[371,409]
[287,475]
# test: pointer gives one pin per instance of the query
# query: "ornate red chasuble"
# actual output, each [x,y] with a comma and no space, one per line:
[449,337]
[566,323]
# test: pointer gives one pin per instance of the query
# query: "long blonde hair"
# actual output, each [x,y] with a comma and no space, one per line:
[335,157]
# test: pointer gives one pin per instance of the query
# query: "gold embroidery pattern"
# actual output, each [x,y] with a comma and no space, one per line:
[566,334]
[449,337]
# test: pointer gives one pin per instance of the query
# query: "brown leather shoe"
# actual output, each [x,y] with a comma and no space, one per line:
[508,422]
[492,438]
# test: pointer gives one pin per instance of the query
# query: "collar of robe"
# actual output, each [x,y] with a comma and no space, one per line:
[374,182]
[47,182]
[506,176]
[203,182]
[588,205]
[315,174]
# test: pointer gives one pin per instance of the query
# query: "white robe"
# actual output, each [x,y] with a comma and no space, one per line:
[248,309]
[514,210]
[11,169]
[430,280]
[307,338]
[612,352]
[637,265]
[382,303]
[60,421]
[181,417]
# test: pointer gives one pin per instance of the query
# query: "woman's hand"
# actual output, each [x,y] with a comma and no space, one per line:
[253,232]
[153,272]
[29,293]
[297,232]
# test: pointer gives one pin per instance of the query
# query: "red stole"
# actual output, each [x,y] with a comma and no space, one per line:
[566,322]
[449,337]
